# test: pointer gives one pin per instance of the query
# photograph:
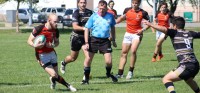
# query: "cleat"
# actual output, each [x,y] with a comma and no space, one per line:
[129,75]
[114,79]
[85,82]
[160,57]
[72,89]
[119,76]
[53,84]
[153,60]
[62,67]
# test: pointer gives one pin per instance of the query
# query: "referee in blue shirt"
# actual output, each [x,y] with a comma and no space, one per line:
[102,32]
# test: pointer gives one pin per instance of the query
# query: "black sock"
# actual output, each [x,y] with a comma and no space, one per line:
[170,87]
[131,69]
[197,90]
[120,72]
[87,73]
[154,55]
[64,63]
[108,70]
[60,80]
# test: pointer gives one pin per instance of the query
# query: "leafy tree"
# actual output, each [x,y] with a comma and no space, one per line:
[173,3]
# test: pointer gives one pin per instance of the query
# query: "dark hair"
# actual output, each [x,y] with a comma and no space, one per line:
[179,22]
[79,1]
[139,1]
[102,2]
[111,1]
[163,3]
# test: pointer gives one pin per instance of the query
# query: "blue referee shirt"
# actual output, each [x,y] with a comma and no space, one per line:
[100,26]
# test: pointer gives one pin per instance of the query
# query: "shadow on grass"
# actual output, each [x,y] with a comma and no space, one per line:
[13,84]
[62,31]
[149,77]
[82,89]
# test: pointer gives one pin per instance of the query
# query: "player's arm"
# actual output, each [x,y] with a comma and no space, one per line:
[30,40]
[121,18]
[113,36]
[77,27]
[157,27]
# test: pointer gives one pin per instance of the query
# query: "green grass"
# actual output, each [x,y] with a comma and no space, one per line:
[20,73]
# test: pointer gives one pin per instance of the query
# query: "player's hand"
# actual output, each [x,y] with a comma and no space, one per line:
[50,45]
[86,46]
[139,32]
[114,44]
[39,45]
[146,22]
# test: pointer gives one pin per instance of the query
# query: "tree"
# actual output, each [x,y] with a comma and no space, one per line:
[173,4]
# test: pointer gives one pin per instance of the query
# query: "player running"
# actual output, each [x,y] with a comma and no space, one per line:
[182,41]
[133,36]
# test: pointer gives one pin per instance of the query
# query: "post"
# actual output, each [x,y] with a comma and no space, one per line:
[30,13]
[155,2]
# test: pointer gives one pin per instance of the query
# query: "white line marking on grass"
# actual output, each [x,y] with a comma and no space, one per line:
[91,82]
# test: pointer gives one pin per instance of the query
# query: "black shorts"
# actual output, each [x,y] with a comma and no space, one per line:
[76,41]
[103,45]
[187,70]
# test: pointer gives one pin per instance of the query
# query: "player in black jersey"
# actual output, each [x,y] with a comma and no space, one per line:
[182,41]
[79,19]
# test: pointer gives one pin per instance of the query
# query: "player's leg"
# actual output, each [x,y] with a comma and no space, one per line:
[76,44]
[87,67]
[108,61]
[159,46]
[168,81]
[133,55]
[126,44]
[193,85]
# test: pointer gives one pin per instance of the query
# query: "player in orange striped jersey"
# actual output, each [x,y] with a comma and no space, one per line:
[133,36]
[162,19]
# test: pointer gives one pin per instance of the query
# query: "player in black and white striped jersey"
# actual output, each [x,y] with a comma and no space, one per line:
[182,41]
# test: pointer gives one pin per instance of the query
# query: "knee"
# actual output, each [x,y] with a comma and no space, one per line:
[123,54]
[165,80]
[54,75]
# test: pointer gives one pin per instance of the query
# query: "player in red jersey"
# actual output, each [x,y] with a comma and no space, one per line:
[162,19]
[45,52]
[111,10]
[133,36]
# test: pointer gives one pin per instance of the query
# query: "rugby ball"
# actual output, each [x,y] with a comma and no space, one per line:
[39,39]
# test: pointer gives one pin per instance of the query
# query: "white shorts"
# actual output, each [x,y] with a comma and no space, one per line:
[48,57]
[159,35]
[128,37]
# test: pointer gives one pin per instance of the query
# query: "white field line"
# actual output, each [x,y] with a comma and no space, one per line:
[91,82]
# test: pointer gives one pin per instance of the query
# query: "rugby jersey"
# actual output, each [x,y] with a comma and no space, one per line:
[183,44]
[134,18]
[49,34]
[163,19]
[81,18]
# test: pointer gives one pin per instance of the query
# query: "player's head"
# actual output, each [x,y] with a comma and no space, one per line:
[111,4]
[52,21]
[178,22]
[136,4]
[102,7]
[163,7]
[82,4]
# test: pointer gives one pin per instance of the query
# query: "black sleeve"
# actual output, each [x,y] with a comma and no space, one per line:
[171,32]
[145,15]
[126,10]
[75,16]
[37,30]
[195,34]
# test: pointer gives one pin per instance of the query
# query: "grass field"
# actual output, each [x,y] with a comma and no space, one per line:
[20,73]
